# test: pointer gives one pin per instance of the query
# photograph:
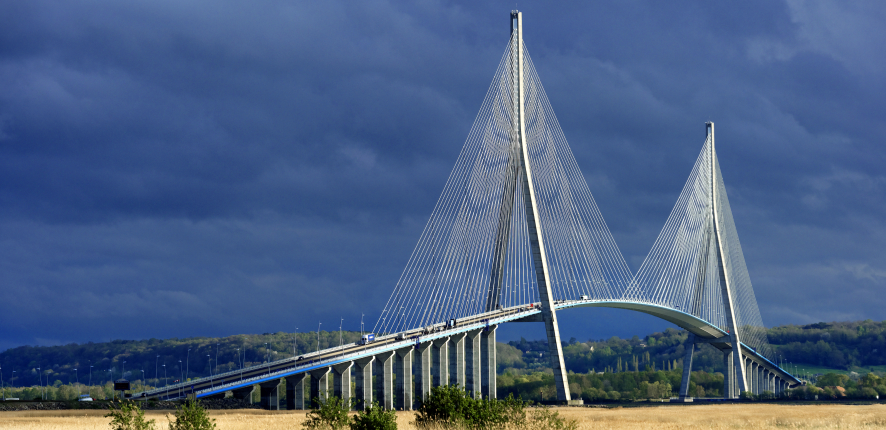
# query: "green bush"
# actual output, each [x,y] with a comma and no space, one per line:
[331,414]
[374,418]
[191,416]
[128,416]
[451,406]
[546,418]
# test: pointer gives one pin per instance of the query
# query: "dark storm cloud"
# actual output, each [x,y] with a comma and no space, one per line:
[208,168]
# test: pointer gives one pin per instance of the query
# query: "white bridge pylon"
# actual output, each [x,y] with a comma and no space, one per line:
[516,224]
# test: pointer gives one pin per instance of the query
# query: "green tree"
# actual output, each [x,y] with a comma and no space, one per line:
[374,418]
[191,416]
[128,416]
[331,414]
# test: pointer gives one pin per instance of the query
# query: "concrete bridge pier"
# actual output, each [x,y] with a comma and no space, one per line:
[363,384]
[295,391]
[457,360]
[423,371]
[246,393]
[751,375]
[473,380]
[319,386]
[384,379]
[403,369]
[729,375]
[342,382]
[440,362]
[270,394]
[488,363]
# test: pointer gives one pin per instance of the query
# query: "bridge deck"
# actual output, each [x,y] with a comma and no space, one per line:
[267,372]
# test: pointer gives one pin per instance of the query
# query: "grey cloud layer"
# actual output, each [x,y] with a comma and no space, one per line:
[221,167]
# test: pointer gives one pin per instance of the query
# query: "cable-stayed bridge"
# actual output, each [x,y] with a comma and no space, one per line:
[517,237]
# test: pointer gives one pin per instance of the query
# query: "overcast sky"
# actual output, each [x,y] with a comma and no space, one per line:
[207,168]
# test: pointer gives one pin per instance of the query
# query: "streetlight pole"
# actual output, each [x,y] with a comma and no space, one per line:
[188,365]
[216,358]
[90,377]
[295,343]
[180,382]
[77,376]
[340,323]
[209,359]
[165,381]
[240,362]
[156,375]
[40,375]
[144,387]
[318,337]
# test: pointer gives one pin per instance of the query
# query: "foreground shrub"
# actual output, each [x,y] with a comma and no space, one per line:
[128,416]
[546,418]
[374,418]
[331,414]
[453,407]
[191,416]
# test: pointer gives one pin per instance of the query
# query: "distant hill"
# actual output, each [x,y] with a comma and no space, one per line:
[836,345]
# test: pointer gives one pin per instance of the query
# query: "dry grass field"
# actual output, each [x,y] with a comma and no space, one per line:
[731,416]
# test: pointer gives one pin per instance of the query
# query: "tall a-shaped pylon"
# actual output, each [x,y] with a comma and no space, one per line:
[697,266]
[516,223]
[536,240]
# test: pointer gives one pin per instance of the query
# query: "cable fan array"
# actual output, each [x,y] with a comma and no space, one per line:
[474,254]
[478,229]
[682,269]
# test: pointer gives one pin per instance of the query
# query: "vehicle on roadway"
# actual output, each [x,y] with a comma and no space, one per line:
[367,339]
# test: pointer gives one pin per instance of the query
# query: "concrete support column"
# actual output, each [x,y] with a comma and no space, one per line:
[423,378]
[384,380]
[270,394]
[760,379]
[752,377]
[342,382]
[488,358]
[440,362]
[687,367]
[403,369]
[319,386]
[364,383]
[473,379]
[749,374]
[295,391]
[457,360]
[728,376]
[246,393]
